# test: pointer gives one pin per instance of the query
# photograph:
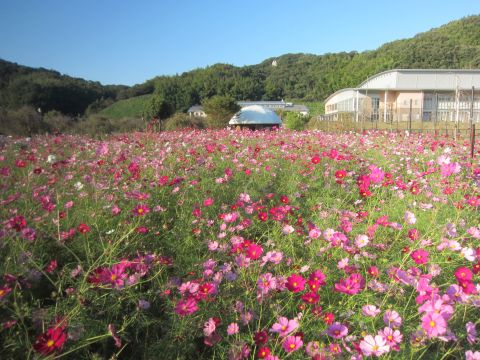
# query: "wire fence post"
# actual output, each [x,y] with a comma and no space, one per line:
[472,142]
[410,118]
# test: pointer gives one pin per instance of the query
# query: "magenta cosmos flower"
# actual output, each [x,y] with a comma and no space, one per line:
[186,307]
[295,283]
[463,274]
[140,210]
[284,326]
[374,346]
[420,256]
[352,285]
[292,343]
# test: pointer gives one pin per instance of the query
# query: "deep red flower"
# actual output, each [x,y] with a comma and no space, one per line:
[18,223]
[262,216]
[414,189]
[328,318]
[260,337]
[284,199]
[51,340]
[20,163]
[373,270]
[310,298]
[52,265]
[315,159]
[413,234]
[263,352]
[476,268]
[83,228]
[340,174]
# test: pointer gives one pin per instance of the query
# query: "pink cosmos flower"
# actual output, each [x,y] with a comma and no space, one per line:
[295,283]
[209,327]
[470,355]
[410,218]
[284,326]
[292,343]
[337,330]
[314,233]
[392,318]
[434,324]
[232,328]
[374,346]
[392,337]
[361,241]
[208,202]
[265,283]
[471,333]
[29,234]
[370,310]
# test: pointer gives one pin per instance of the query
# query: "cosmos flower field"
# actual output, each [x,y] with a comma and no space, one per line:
[239,245]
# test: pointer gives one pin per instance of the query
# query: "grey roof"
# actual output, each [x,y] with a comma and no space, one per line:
[297,108]
[195,108]
[287,106]
[422,79]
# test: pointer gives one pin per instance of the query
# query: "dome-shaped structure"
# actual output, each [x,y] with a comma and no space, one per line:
[255,116]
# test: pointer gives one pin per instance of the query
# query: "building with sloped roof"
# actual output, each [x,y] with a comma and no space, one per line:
[419,94]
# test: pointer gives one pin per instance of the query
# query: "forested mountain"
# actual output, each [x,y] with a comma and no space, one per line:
[295,76]
[314,77]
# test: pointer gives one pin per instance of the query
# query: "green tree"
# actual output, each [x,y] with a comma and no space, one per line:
[294,121]
[219,110]
[158,108]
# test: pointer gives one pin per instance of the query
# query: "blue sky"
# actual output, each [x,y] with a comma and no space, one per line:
[128,42]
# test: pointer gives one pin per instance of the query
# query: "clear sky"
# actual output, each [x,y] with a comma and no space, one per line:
[128,42]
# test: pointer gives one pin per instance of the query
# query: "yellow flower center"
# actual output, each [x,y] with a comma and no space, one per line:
[50,343]
[292,346]
[113,277]
[432,323]
[294,284]
[140,211]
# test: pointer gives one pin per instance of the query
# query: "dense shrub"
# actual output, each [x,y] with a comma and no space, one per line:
[183,121]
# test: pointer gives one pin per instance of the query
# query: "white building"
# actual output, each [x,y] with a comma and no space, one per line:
[401,94]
